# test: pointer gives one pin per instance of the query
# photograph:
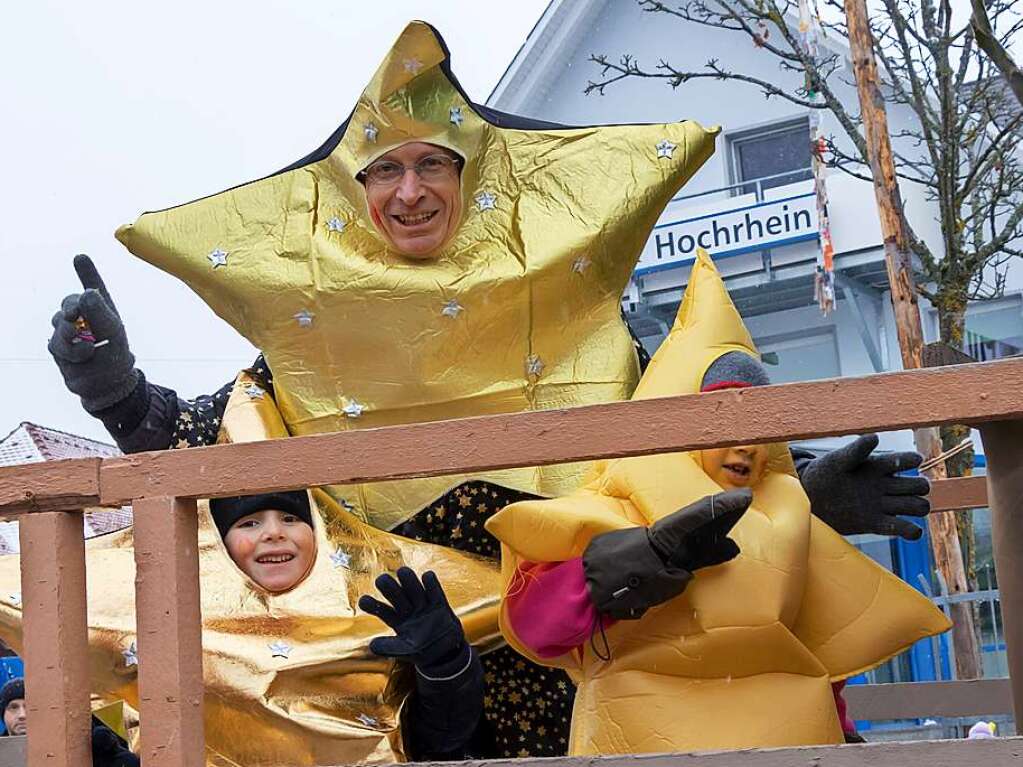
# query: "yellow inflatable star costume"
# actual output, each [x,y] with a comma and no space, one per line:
[745,657]
[520,311]
[289,679]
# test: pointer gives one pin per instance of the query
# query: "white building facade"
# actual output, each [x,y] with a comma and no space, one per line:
[751,205]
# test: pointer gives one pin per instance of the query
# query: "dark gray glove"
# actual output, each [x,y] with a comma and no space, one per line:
[629,571]
[428,633]
[93,356]
[854,492]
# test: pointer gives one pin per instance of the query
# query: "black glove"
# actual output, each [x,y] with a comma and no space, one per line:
[93,357]
[109,749]
[429,633]
[629,571]
[854,492]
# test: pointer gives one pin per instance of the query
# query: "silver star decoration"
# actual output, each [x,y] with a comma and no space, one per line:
[279,649]
[371,132]
[335,225]
[341,558]
[15,599]
[534,365]
[253,391]
[412,65]
[452,309]
[218,258]
[486,201]
[353,409]
[304,318]
[581,264]
[366,719]
[665,148]
[131,656]
[346,505]
[455,116]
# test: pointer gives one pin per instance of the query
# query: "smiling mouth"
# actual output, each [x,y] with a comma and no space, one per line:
[413,219]
[275,559]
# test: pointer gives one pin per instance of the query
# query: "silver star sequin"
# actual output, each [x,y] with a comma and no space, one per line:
[279,649]
[665,148]
[335,225]
[253,391]
[369,721]
[353,409]
[581,264]
[131,656]
[217,258]
[346,505]
[412,65]
[371,132]
[15,599]
[486,201]
[534,365]
[455,116]
[304,318]
[452,309]
[341,558]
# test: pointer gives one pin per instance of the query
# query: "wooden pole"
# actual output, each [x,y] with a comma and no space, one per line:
[169,632]
[944,536]
[56,639]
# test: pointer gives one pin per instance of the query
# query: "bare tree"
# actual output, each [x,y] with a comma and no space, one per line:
[963,150]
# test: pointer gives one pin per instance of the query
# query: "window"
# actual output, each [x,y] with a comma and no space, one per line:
[995,332]
[805,356]
[779,154]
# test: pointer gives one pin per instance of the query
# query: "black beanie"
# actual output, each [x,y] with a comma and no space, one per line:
[227,511]
[13,690]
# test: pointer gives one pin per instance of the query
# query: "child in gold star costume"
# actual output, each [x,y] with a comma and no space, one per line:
[736,610]
[384,289]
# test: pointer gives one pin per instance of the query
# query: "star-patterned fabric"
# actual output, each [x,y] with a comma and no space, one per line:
[527,707]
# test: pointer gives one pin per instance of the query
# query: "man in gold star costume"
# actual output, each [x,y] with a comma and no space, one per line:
[425,303]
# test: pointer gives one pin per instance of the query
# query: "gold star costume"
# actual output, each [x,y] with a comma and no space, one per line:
[519,311]
[745,657]
[289,679]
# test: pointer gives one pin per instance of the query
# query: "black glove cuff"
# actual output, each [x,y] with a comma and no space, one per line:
[448,670]
[114,395]
[124,416]
[626,576]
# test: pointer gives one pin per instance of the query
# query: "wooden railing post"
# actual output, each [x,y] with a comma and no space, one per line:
[55,637]
[169,632]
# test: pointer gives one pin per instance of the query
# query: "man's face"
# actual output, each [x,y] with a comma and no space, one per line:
[416,215]
[274,548]
[14,717]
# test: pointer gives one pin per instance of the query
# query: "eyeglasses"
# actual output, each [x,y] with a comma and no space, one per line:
[434,167]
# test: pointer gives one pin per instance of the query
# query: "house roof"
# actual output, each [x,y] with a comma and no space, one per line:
[32,443]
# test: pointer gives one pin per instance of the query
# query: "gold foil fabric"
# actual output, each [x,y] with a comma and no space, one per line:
[289,679]
[745,657]
[518,312]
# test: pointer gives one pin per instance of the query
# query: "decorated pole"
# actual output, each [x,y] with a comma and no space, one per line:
[945,546]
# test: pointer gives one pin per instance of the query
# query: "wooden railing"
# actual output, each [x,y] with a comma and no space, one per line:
[163,487]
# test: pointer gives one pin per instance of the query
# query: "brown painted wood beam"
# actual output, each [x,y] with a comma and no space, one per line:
[56,649]
[913,700]
[970,393]
[169,632]
[49,486]
[958,493]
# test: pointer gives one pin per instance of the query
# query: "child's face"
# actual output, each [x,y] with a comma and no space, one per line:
[274,548]
[735,467]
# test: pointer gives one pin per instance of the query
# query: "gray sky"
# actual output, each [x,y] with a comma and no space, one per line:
[112,108]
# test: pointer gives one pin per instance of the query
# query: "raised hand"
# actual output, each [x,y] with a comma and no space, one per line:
[427,631]
[89,343]
[855,492]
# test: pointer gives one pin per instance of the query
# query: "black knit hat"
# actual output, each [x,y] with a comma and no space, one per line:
[227,511]
[13,690]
